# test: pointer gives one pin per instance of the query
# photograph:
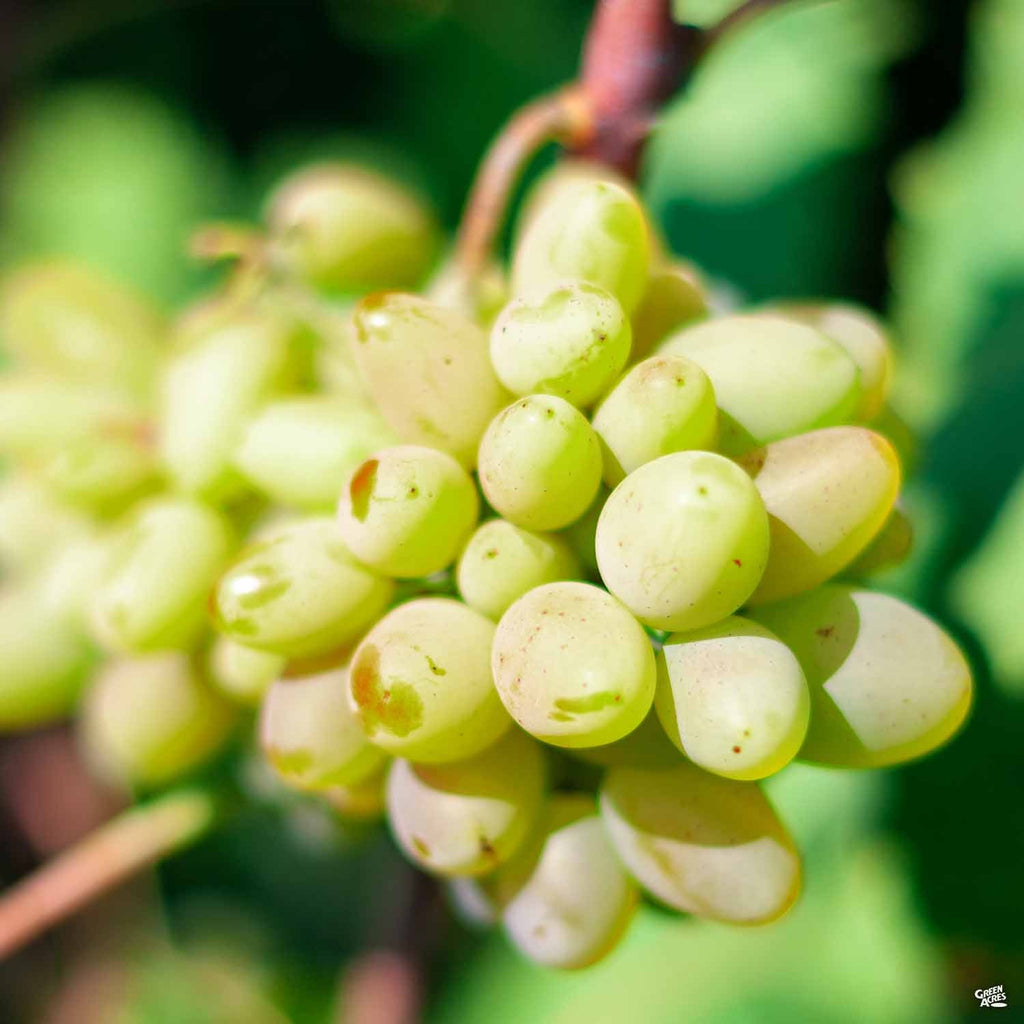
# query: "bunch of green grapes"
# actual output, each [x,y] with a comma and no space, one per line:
[549,567]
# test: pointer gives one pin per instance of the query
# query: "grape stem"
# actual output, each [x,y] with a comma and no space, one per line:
[123,846]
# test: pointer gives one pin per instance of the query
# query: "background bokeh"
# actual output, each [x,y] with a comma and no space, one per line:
[863,149]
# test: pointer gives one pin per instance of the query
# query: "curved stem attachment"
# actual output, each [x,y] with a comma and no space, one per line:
[123,846]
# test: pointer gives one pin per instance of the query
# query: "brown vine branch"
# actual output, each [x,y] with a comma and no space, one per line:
[127,844]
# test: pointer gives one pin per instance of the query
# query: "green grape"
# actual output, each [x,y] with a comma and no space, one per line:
[540,463]
[301,451]
[581,535]
[887,684]
[408,510]
[664,404]
[428,370]
[299,592]
[897,431]
[479,296]
[683,541]
[572,342]
[572,666]
[344,228]
[589,230]
[421,682]
[646,746]
[702,844]
[467,817]
[242,674]
[163,561]
[77,324]
[210,391]
[68,579]
[733,698]
[361,801]
[772,377]
[675,296]
[827,493]
[501,562]
[891,546]
[149,720]
[33,524]
[310,735]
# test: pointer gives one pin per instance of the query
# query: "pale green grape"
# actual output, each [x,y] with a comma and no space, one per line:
[581,535]
[362,801]
[301,451]
[33,524]
[163,561]
[827,493]
[348,229]
[540,463]
[407,511]
[151,719]
[310,735]
[683,540]
[428,370]
[891,546]
[478,296]
[467,817]
[299,592]
[675,296]
[572,342]
[572,666]
[501,562]
[702,844]
[421,682]
[887,684]
[69,578]
[242,674]
[733,698]
[664,404]
[589,230]
[646,746]
[772,377]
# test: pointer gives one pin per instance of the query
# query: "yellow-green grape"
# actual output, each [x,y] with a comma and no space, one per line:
[242,674]
[301,451]
[864,339]
[421,684]
[299,592]
[646,746]
[210,391]
[163,561]
[772,377]
[149,720]
[68,580]
[408,510]
[581,535]
[33,524]
[664,404]
[467,817]
[898,432]
[891,546]
[702,844]
[478,296]
[827,493]
[344,228]
[572,901]
[428,370]
[589,230]
[361,801]
[733,698]
[675,296]
[572,666]
[683,541]
[573,341]
[310,735]
[502,562]
[77,324]
[540,463]
[887,684]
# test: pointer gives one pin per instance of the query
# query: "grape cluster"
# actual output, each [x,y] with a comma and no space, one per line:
[550,567]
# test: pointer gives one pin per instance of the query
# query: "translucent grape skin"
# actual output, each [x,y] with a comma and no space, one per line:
[772,377]
[408,510]
[683,541]
[299,592]
[501,562]
[310,735]
[828,493]
[887,684]
[664,404]
[540,463]
[420,682]
[240,673]
[572,342]
[732,697]
[675,296]
[572,666]
[428,369]
[700,843]
[467,817]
